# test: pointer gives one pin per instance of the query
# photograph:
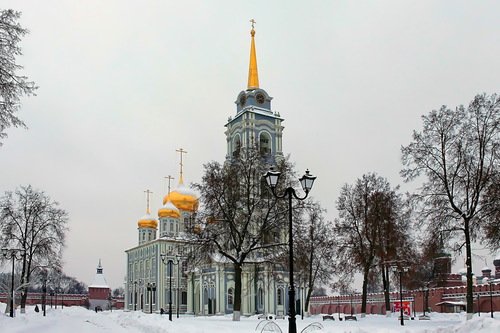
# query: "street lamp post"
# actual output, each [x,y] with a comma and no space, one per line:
[307,182]
[135,295]
[44,290]
[13,254]
[478,306]
[425,291]
[491,297]
[170,263]
[178,283]
[401,270]
[151,287]
[170,267]
[44,278]
[338,306]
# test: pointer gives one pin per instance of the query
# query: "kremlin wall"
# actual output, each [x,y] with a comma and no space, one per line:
[446,293]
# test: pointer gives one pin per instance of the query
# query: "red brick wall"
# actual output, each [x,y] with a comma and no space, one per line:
[64,299]
[332,304]
[99,293]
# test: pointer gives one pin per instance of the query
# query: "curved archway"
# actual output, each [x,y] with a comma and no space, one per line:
[236,145]
[265,144]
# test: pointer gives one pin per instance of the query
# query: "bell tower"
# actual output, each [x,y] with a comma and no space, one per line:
[254,124]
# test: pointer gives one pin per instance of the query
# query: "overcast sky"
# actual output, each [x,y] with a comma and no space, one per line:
[123,84]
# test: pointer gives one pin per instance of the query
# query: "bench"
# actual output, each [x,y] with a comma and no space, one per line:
[328,317]
[346,318]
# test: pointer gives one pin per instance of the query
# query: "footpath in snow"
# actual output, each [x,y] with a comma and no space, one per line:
[81,320]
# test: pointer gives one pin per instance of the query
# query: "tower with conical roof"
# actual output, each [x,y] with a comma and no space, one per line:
[99,291]
[254,124]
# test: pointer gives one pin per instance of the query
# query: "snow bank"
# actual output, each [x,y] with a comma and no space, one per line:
[81,320]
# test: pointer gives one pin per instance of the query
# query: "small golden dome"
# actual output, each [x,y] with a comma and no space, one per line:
[183,198]
[147,221]
[168,210]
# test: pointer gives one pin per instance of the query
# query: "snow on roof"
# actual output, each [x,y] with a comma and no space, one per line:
[99,279]
[485,268]
[170,205]
[461,303]
[147,217]
[183,189]
[99,282]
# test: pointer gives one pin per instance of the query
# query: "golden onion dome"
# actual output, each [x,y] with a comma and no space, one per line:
[147,221]
[183,198]
[169,210]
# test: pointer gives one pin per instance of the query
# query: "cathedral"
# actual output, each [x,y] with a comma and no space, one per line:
[158,278]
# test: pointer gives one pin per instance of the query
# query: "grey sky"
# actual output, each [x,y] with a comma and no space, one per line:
[125,83]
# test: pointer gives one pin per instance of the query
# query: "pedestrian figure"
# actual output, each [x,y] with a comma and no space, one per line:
[96,309]
[162,311]
[36,308]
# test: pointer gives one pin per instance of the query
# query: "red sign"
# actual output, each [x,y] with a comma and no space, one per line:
[396,306]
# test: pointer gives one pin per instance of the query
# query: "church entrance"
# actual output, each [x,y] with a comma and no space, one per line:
[209,301]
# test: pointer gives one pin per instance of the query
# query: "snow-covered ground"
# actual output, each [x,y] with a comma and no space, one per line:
[77,319]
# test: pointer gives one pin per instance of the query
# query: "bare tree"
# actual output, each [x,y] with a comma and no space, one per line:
[370,230]
[492,226]
[69,284]
[457,151]
[12,85]
[118,292]
[30,221]
[314,254]
[239,218]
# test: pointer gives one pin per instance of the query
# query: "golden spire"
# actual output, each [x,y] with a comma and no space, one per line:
[148,192]
[253,74]
[181,151]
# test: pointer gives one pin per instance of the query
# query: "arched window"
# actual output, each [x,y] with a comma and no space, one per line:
[236,146]
[230,293]
[279,296]
[205,296]
[264,144]
[261,298]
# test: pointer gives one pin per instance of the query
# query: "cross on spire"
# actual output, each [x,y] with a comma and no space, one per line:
[181,151]
[148,192]
[169,178]
[253,22]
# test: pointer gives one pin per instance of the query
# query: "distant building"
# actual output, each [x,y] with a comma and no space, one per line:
[99,291]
